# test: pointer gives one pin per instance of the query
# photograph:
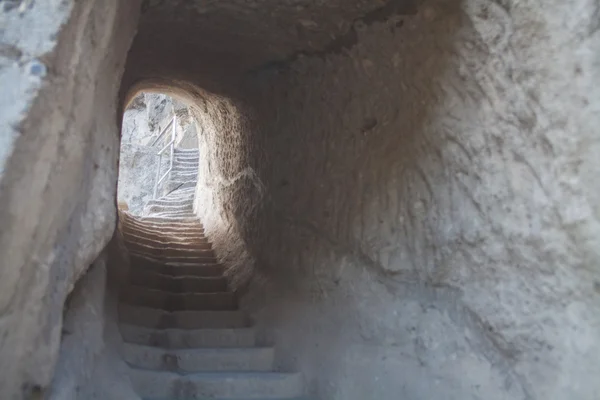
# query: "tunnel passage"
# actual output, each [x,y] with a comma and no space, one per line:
[404,195]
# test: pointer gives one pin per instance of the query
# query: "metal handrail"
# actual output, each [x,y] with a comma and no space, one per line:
[164,130]
[171,145]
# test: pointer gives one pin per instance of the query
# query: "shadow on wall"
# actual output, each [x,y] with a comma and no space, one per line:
[58,162]
[401,216]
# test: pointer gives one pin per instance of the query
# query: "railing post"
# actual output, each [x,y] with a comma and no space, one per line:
[171,146]
[157,176]
[173,133]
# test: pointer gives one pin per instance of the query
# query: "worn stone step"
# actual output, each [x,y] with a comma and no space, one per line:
[173,221]
[161,319]
[181,200]
[182,150]
[172,226]
[184,171]
[136,219]
[180,192]
[184,174]
[151,240]
[177,284]
[179,159]
[186,212]
[168,258]
[166,241]
[164,236]
[230,385]
[176,269]
[185,161]
[163,227]
[168,233]
[173,185]
[162,250]
[187,206]
[142,220]
[147,221]
[146,297]
[199,360]
[188,338]
[172,215]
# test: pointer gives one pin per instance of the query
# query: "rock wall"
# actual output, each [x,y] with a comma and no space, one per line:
[61,65]
[89,366]
[406,193]
[417,207]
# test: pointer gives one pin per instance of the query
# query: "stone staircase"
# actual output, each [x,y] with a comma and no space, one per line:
[184,174]
[184,337]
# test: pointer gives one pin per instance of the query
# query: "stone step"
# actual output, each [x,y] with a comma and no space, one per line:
[186,247]
[158,249]
[187,193]
[172,258]
[184,174]
[150,222]
[181,191]
[172,214]
[170,206]
[187,164]
[229,385]
[188,208]
[182,200]
[172,221]
[169,233]
[168,241]
[186,155]
[173,185]
[161,319]
[170,203]
[183,150]
[199,360]
[179,159]
[180,283]
[187,212]
[161,223]
[188,338]
[146,223]
[161,237]
[200,270]
[146,297]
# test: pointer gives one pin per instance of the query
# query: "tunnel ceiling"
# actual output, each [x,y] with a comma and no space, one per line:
[226,37]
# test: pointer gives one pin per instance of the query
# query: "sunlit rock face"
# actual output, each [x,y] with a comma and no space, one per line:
[146,117]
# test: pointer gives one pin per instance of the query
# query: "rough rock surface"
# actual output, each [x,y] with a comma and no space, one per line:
[406,192]
[60,70]
[88,365]
[421,206]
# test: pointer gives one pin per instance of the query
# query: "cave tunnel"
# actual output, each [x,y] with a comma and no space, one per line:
[403,197]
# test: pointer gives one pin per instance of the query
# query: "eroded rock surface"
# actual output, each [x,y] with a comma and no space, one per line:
[406,193]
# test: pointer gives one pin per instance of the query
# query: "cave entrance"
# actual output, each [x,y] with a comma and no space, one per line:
[159,152]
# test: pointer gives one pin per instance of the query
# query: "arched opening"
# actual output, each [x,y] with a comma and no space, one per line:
[403,194]
[159,152]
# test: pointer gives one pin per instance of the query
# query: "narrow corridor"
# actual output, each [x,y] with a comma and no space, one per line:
[184,337]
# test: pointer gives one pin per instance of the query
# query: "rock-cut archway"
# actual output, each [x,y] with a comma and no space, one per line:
[405,193]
